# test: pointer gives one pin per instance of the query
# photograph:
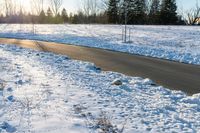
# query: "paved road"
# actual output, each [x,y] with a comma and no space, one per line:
[177,76]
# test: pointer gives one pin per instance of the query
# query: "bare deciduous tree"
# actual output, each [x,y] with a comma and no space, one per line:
[90,7]
[192,16]
[36,6]
[10,7]
[104,4]
[55,6]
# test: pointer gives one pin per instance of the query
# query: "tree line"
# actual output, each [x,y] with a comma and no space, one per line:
[43,17]
[14,12]
[154,12]
[144,12]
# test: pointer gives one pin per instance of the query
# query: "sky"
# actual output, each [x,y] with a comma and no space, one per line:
[186,4]
[71,5]
[74,5]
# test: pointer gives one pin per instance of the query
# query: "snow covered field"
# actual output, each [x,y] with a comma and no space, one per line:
[43,92]
[178,43]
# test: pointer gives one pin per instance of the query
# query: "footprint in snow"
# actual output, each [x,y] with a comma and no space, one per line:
[9,89]
[7,127]
[126,88]
[11,98]
[21,82]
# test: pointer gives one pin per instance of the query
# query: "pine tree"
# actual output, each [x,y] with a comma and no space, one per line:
[154,12]
[71,17]
[58,19]
[64,15]
[112,12]
[49,15]
[139,12]
[155,7]
[127,11]
[42,17]
[135,10]
[49,12]
[168,12]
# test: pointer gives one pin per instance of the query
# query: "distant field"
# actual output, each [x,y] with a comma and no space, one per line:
[178,43]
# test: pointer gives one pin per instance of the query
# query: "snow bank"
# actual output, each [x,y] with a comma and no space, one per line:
[43,92]
[177,43]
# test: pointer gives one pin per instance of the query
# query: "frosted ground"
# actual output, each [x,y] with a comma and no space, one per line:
[43,92]
[178,43]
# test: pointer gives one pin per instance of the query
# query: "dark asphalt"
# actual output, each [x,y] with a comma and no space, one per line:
[173,75]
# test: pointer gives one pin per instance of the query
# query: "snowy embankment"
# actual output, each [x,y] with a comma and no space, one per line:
[177,43]
[43,92]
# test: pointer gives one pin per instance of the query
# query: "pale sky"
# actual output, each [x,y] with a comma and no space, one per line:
[74,5]
[71,5]
[187,4]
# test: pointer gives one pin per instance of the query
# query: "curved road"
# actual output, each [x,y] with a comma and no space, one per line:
[173,75]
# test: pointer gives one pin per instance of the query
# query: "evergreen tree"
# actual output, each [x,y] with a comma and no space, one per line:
[58,19]
[42,17]
[139,12]
[135,11]
[49,15]
[127,11]
[49,12]
[112,12]
[154,12]
[79,18]
[71,17]
[155,6]
[64,15]
[168,12]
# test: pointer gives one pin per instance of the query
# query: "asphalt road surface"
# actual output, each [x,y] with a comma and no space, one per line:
[173,75]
